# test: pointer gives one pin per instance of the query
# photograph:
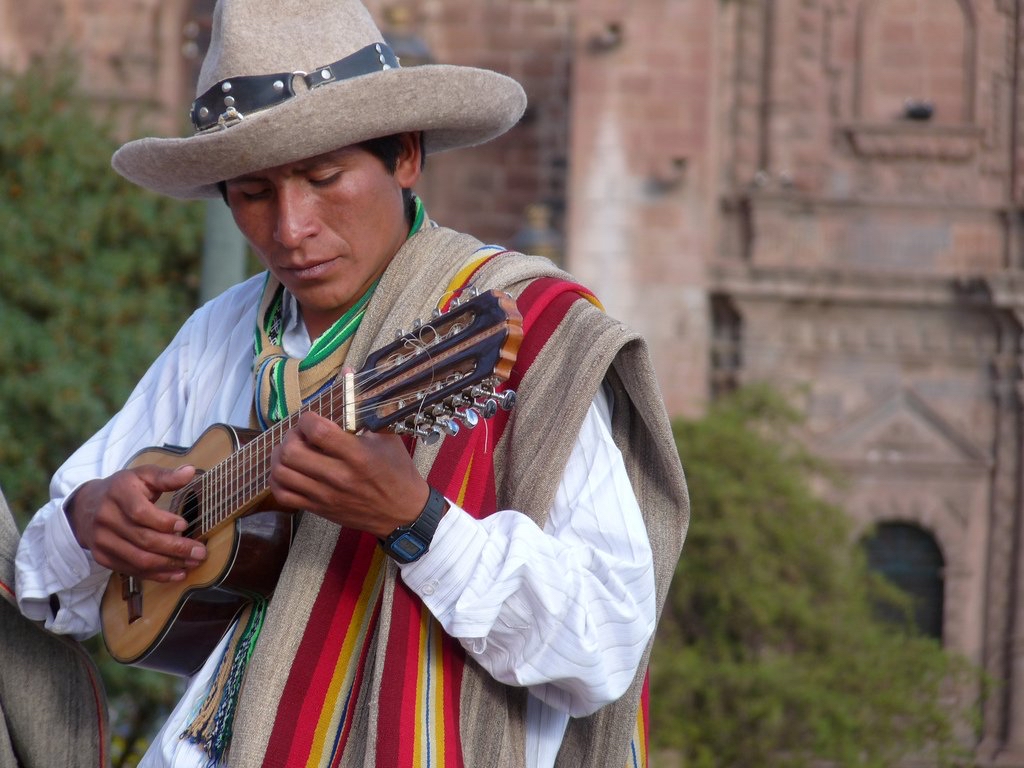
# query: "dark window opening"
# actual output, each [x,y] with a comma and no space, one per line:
[909,557]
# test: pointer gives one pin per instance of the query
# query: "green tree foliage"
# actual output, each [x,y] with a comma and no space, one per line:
[95,277]
[770,651]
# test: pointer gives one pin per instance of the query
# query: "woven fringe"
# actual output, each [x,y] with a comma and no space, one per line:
[210,729]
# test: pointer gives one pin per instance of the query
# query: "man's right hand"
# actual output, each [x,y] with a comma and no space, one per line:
[116,519]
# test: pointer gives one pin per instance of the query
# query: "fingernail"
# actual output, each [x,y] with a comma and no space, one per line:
[179,525]
[197,553]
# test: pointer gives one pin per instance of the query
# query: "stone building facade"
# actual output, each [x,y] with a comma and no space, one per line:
[824,194]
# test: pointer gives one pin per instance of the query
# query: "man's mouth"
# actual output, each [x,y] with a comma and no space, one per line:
[312,271]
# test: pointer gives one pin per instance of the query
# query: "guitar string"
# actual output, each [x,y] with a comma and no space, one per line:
[246,486]
[251,483]
[248,468]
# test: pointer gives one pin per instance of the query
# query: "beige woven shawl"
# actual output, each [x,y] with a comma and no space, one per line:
[53,709]
[553,399]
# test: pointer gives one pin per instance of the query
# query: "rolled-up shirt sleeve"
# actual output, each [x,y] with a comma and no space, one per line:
[566,611]
[201,377]
[51,562]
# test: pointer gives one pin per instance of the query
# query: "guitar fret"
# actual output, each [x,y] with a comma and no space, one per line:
[214,473]
[225,486]
[228,489]
[209,491]
[218,497]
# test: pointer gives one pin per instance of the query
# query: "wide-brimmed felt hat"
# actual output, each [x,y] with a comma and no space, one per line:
[284,80]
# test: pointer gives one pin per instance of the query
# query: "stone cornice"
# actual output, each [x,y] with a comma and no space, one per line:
[1003,290]
[784,198]
[913,140]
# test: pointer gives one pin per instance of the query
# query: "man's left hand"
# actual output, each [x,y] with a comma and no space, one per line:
[367,481]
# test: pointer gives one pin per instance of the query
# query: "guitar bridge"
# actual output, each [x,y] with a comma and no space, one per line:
[131,593]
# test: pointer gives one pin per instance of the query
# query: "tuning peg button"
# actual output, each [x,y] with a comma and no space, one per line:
[507,399]
[487,408]
[469,417]
[429,435]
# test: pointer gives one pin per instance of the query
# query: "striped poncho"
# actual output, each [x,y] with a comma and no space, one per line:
[350,668]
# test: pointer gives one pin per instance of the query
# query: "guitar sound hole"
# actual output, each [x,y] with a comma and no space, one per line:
[188,504]
[190,508]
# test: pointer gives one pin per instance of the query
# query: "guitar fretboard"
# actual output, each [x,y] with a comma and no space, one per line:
[237,484]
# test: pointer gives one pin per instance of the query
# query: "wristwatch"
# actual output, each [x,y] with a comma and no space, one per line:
[408,543]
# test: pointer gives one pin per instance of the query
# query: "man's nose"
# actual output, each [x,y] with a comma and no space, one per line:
[296,218]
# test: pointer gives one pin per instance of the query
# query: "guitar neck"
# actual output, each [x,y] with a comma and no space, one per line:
[240,482]
[424,384]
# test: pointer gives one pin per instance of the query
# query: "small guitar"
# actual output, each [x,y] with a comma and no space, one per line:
[429,382]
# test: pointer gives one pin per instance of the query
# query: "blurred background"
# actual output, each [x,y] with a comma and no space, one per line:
[812,209]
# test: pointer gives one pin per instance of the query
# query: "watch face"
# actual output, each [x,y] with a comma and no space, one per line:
[407,547]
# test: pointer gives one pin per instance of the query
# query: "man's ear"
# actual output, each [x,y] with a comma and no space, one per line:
[410,159]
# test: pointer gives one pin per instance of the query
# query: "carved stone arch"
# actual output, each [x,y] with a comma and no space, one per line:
[197,18]
[169,83]
[943,524]
[910,556]
[179,57]
[927,55]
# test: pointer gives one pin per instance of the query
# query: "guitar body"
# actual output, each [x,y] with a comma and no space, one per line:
[173,627]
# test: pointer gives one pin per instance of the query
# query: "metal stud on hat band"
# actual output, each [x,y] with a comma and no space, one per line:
[229,101]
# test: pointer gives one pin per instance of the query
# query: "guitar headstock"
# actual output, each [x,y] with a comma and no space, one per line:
[445,372]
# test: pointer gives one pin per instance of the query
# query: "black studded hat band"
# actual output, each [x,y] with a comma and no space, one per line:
[230,100]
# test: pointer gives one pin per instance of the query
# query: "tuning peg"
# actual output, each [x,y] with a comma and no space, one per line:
[429,435]
[461,400]
[449,426]
[468,417]
[487,407]
[506,399]
[399,333]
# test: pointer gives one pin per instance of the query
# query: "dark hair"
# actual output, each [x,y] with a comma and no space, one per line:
[387,149]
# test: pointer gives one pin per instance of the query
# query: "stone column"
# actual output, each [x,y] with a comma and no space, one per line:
[1003,711]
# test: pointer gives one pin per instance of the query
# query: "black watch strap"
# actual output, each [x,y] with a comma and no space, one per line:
[409,542]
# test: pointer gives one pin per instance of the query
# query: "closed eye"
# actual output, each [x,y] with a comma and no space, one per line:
[325,181]
[249,190]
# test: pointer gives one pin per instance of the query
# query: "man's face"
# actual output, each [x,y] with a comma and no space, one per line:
[328,226]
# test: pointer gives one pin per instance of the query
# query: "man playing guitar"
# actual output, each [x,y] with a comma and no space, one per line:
[488,599]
